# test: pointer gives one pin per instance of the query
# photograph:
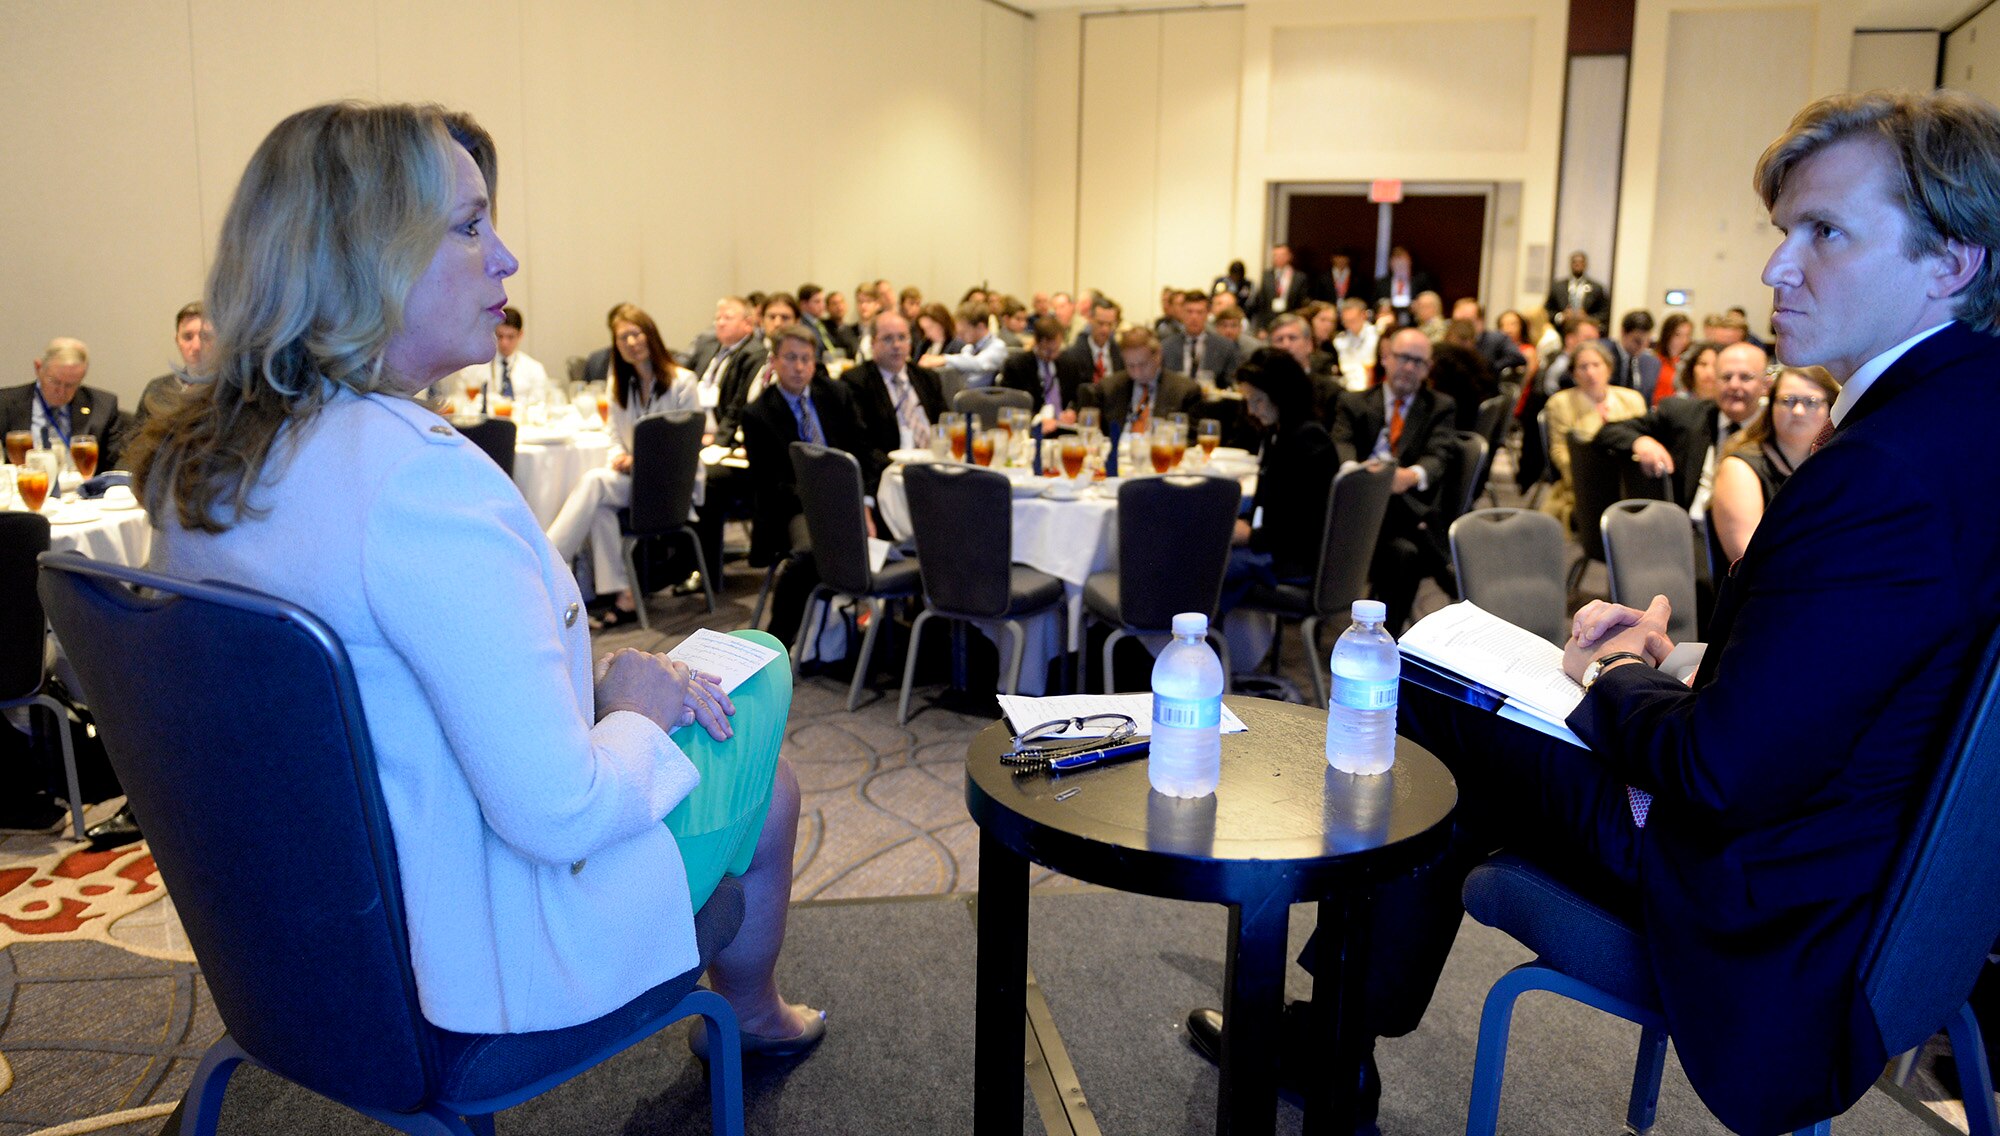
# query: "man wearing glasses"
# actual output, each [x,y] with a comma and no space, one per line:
[1405,424]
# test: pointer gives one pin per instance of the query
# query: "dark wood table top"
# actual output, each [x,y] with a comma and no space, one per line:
[1281,816]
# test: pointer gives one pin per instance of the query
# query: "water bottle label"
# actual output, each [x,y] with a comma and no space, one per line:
[1189,713]
[1358,695]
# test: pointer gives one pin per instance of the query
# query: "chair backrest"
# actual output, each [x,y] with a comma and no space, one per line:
[986,403]
[1649,551]
[1596,480]
[23,537]
[1473,456]
[829,484]
[224,710]
[1355,507]
[496,437]
[666,453]
[963,520]
[576,366]
[1173,546]
[1492,422]
[1511,563]
[1943,912]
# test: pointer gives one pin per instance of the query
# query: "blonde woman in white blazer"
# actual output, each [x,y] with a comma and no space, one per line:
[526,789]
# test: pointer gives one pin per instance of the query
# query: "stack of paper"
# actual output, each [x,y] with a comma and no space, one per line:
[1024,713]
[1521,670]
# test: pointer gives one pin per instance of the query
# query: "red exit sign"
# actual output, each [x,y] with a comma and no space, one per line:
[1385,191]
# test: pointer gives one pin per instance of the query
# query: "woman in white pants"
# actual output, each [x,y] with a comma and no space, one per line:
[644,381]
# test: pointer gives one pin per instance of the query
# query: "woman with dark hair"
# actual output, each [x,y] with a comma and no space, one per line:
[1515,328]
[1676,332]
[1757,462]
[557,823]
[1280,542]
[645,381]
[934,332]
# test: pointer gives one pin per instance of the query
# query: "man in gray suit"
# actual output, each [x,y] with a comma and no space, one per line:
[1141,392]
[1193,350]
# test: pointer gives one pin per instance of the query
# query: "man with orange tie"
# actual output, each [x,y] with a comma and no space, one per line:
[1142,391]
[1406,424]
[1097,353]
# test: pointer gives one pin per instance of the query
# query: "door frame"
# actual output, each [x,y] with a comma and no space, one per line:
[1279,196]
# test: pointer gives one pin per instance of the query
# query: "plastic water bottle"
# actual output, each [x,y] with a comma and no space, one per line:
[1361,715]
[1186,755]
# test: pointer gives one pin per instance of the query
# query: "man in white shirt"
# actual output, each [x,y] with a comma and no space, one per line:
[978,363]
[1354,344]
[512,376]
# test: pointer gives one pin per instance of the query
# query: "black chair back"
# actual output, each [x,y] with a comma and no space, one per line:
[987,402]
[23,537]
[495,436]
[215,701]
[666,453]
[1354,511]
[1649,551]
[1944,912]
[963,518]
[1173,546]
[1510,563]
[1492,422]
[1596,480]
[1469,473]
[829,484]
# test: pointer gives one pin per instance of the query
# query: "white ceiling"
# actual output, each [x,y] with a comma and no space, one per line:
[1873,13]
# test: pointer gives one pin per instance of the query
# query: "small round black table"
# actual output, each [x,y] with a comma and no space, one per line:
[1282,828]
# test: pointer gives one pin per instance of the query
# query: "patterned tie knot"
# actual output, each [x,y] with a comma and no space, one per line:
[1825,436]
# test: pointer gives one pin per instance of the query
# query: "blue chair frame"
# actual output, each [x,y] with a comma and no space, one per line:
[1928,946]
[324,997]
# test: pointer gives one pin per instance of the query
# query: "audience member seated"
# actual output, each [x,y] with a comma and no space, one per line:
[977,361]
[1580,411]
[1408,425]
[644,381]
[1095,352]
[932,327]
[1141,392]
[1512,325]
[812,316]
[1427,316]
[1354,346]
[1763,455]
[1695,376]
[1170,312]
[860,334]
[726,361]
[1227,322]
[910,302]
[1682,437]
[1235,284]
[1012,316]
[1280,541]
[1496,347]
[1195,351]
[1459,370]
[554,839]
[57,406]
[758,372]
[802,405]
[1323,320]
[192,335]
[1289,334]
[1676,333]
[1047,373]
[898,402]
[1639,367]
[512,375]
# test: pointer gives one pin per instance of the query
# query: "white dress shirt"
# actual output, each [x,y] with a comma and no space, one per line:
[1855,387]
[979,364]
[1356,353]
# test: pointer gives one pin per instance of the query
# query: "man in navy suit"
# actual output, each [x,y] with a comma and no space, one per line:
[1783,782]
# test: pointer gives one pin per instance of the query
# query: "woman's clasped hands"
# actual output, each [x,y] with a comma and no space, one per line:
[670,693]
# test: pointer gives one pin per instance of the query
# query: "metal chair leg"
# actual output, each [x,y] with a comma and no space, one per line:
[69,761]
[701,565]
[1309,631]
[764,593]
[910,666]
[1018,638]
[1222,653]
[809,626]
[725,1061]
[1110,641]
[1646,1070]
[1975,1078]
[632,581]
[877,611]
[202,1107]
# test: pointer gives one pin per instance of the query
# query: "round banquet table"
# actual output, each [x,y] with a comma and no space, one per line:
[1282,828]
[547,470]
[115,536]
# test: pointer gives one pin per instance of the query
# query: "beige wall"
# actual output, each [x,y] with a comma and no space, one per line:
[1972,56]
[1894,60]
[661,152]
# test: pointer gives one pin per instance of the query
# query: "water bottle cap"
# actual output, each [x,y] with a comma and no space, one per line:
[1191,624]
[1370,611]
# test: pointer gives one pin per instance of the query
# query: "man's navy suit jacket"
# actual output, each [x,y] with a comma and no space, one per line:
[1788,779]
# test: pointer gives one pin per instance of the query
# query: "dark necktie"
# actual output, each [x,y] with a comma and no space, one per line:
[1825,436]
[506,377]
[808,421]
[1051,390]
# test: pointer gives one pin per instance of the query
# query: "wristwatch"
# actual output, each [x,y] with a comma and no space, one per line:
[1598,666]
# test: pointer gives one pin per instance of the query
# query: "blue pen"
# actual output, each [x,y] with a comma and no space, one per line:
[1090,757]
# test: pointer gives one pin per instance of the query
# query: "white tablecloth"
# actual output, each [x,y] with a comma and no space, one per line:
[117,536]
[547,471]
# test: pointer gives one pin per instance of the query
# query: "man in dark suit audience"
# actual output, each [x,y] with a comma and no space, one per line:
[1682,438]
[1496,347]
[1095,354]
[57,406]
[1406,424]
[1142,392]
[1402,284]
[720,351]
[898,401]
[1193,350]
[1578,291]
[745,381]
[812,316]
[1285,288]
[1046,373]
[1289,333]
[1342,283]
[801,405]
[1459,370]
[1754,819]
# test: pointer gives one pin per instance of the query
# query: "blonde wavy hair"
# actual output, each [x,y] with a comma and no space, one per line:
[338,215]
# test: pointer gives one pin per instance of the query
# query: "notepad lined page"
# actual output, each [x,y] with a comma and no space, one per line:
[1493,652]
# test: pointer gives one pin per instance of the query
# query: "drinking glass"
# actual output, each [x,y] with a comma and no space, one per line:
[1075,448]
[1160,446]
[19,442]
[1180,439]
[1209,436]
[982,444]
[472,389]
[35,478]
[604,409]
[954,426]
[503,408]
[1180,420]
[1003,436]
[83,452]
[1089,418]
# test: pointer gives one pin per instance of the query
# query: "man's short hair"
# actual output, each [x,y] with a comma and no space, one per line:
[63,349]
[1011,306]
[799,332]
[1947,150]
[776,298]
[1047,328]
[972,311]
[1354,302]
[1638,319]
[911,293]
[1461,331]
[1287,320]
[1576,323]
[1229,315]
[756,301]
[1733,321]
[1062,296]
[510,316]
[1193,296]
[808,291]
[1478,308]
[188,312]
[1102,302]
[1138,339]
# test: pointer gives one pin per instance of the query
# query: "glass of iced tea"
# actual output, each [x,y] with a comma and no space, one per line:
[982,445]
[33,484]
[954,426]
[1208,436]
[83,452]
[604,408]
[1075,448]
[503,408]
[1180,443]
[19,442]
[1161,447]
